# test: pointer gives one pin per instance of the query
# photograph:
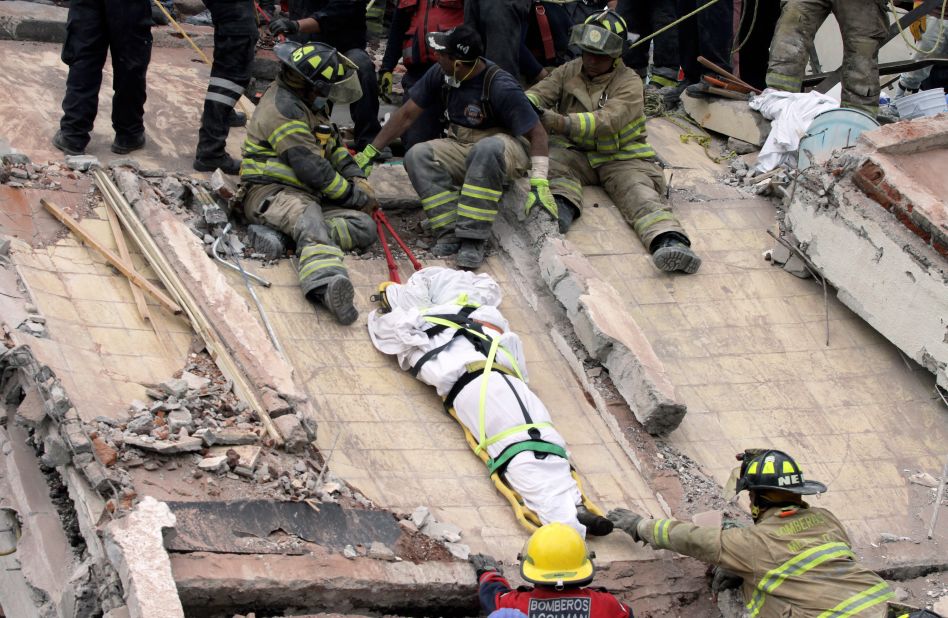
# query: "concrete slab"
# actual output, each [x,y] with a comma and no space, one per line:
[727,117]
[33,78]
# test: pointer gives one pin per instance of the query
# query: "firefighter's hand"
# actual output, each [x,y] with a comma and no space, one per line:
[385,86]
[483,563]
[284,25]
[722,579]
[366,158]
[627,521]
[540,194]
[355,198]
[554,123]
[372,204]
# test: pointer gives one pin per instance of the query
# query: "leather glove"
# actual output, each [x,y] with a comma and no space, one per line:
[540,194]
[554,123]
[627,521]
[918,27]
[366,188]
[722,579]
[284,25]
[385,86]
[355,198]
[366,158]
[483,563]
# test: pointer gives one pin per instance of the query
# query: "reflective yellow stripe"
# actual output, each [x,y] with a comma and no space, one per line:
[660,532]
[860,602]
[643,223]
[289,128]
[661,80]
[483,193]
[271,170]
[443,219]
[783,82]
[336,188]
[478,214]
[534,98]
[567,185]
[316,265]
[342,232]
[252,148]
[642,151]
[587,124]
[314,250]
[439,199]
[798,565]
[339,155]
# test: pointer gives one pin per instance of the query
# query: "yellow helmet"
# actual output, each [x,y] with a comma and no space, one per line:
[556,555]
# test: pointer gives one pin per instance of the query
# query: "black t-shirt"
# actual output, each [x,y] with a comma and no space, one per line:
[509,106]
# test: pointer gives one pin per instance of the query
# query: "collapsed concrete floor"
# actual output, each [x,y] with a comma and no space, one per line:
[740,345]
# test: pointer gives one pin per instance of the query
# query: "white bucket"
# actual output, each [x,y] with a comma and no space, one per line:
[924,103]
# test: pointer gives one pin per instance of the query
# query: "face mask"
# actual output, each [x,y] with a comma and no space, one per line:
[452,81]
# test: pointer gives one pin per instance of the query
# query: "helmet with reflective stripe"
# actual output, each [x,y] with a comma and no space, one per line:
[603,33]
[771,469]
[322,67]
[556,555]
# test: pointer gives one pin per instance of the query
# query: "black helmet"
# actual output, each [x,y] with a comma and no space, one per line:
[604,33]
[323,68]
[771,469]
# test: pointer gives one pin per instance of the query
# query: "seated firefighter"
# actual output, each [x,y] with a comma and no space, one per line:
[444,327]
[299,178]
[796,560]
[555,560]
[593,107]
[461,178]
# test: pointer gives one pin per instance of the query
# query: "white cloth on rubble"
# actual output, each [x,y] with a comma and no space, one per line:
[791,114]
[546,485]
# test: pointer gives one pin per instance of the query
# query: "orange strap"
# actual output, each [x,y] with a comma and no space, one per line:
[546,35]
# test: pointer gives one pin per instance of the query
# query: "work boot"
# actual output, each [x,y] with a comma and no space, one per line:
[596,525]
[566,213]
[671,95]
[237,119]
[59,141]
[225,163]
[699,90]
[670,252]
[471,254]
[125,146]
[446,245]
[267,241]
[336,296]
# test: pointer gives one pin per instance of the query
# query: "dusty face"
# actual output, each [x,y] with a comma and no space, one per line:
[595,65]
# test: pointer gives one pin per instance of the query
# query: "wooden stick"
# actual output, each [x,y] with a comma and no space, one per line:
[114,260]
[126,256]
[710,65]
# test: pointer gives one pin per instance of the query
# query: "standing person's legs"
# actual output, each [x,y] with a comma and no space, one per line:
[638,16]
[796,28]
[235,39]
[129,24]
[864,25]
[715,33]
[365,111]
[665,60]
[84,52]
[501,27]
[688,42]
[754,55]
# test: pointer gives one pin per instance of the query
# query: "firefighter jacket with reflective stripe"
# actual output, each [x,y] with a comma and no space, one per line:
[282,149]
[606,113]
[795,561]
[427,16]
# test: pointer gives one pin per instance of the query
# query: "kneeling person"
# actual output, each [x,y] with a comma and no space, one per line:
[299,178]
[594,108]
[445,329]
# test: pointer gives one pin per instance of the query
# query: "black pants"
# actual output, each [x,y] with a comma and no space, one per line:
[501,25]
[235,40]
[707,34]
[756,51]
[365,111]
[93,28]
[644,18]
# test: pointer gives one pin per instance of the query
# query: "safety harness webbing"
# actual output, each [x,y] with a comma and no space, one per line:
[465,327]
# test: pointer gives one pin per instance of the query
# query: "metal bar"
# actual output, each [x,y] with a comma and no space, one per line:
[938,497]
[237,268]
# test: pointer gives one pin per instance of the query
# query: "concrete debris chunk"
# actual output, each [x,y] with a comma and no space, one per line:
[195,382]
[55,452]
[228,436]
[924,479]
[141,424]
[887,537]
[421,516]
[350,552]
[276,406]
[294,436]
[15,158]
[180,419]
[75,438]
[172,188]
[82,163]
[213,464]
[459,550]
[442,531]
[166,447]
[222,185]
[248,455]
[175,387]
[380,551]
[740,146]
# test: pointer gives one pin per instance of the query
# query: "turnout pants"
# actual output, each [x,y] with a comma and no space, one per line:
[546,485]
[235,40]
[863,24]
[645,18]
[93,28]
[460,179]
[321,235]
[636,186]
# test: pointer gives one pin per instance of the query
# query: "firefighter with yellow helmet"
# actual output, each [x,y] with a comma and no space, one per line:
[556,561]
[795,560]
[594,109]
[299,178]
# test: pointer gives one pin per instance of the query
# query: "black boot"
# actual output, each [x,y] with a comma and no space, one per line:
[123,145]
[59,141]
[447,244]
[671,252]
[225,163]
[336,296]
[471,254]
[596,525]
[268,241]
[566,213]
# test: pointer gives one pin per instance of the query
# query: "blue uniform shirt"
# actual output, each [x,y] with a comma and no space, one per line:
[509,106]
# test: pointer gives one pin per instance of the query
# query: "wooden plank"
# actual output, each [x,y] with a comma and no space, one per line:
[114,260]
[126,256]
